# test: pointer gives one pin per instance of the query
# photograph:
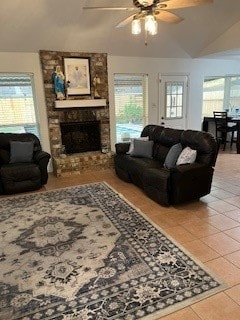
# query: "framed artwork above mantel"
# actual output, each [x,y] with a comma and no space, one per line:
[77,75]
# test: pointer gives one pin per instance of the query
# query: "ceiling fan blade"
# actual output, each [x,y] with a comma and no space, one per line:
[109,8]
[177,4]
[125,21]
[167,16]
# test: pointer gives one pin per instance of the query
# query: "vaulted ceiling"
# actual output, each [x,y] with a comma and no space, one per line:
[33,25]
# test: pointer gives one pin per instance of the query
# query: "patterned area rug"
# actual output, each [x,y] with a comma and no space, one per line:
[86,253]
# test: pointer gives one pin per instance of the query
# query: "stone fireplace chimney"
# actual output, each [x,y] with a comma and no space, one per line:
[66,124]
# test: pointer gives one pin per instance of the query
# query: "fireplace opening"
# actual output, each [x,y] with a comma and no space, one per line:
[80,137]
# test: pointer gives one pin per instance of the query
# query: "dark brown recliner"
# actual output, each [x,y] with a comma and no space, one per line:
[22,176]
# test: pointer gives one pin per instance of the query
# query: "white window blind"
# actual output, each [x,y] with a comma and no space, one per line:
[131,104]
[17,104]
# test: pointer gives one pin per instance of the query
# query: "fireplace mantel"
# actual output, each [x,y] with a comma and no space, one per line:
[80,103]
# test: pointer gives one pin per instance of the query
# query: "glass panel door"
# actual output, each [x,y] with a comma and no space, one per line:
[173,92]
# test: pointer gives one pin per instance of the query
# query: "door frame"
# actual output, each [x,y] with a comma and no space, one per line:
[160,82]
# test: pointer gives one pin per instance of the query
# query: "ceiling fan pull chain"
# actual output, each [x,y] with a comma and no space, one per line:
[146,38]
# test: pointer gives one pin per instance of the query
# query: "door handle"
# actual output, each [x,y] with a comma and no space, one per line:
[162,123]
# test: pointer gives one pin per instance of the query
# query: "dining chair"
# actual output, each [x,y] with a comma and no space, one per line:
[223,126]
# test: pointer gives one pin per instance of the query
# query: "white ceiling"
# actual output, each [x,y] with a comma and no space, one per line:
[33,25]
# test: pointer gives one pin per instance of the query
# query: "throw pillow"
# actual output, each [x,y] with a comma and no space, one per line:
[172,156]
[132,145]
[188,155]
[21,151]
[142,149]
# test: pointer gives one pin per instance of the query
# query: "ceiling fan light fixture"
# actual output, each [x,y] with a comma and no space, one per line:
[136,26]
[151,25]
[154,29]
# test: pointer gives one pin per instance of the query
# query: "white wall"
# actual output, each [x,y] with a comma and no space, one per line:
[196,68]
[30,63]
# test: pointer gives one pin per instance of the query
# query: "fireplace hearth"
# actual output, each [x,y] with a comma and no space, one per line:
[78,137]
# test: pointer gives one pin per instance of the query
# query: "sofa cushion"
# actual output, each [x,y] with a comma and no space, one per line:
[21,151]
[188,155]
[142,149]
[156,184]
[173,155]
[128,163]
[4,156]
[151,131]
[169,137]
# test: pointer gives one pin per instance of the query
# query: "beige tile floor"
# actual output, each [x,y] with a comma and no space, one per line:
[209,229]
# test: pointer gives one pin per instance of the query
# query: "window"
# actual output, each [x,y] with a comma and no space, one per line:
[17,104]
[130,105]
[174,99]
[220,94]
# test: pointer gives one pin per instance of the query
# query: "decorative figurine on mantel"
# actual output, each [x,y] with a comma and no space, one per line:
[96,82]
[58,80]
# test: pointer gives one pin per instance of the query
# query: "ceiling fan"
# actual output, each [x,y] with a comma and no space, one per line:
[150,11]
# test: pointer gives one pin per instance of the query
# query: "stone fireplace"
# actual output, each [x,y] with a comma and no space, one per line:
[83,131]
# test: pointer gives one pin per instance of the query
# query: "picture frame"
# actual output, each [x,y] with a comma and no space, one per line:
[77,75]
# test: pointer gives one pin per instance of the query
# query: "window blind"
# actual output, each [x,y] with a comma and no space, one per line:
[131,105]
[131,88]
[221,93]
[17,107]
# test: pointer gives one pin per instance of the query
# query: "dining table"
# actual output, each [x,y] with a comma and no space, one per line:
[233,119]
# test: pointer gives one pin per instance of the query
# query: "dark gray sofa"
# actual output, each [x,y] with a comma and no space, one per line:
[175,185]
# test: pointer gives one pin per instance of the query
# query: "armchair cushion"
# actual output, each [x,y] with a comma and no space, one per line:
[19,177]
[21,151]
